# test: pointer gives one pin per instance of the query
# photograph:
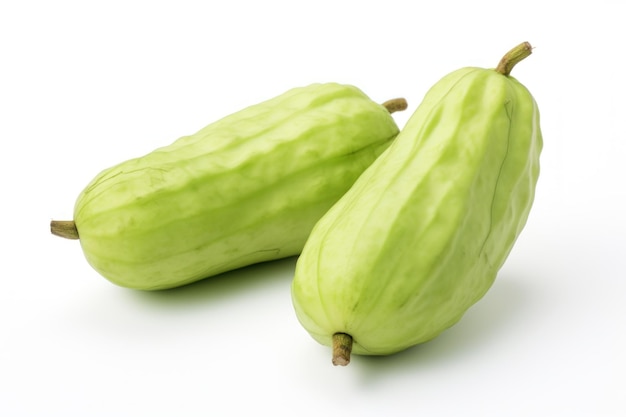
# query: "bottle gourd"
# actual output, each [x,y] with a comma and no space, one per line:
[421,235]
[245,189]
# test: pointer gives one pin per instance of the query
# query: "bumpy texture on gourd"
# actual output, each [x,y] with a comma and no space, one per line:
[245,189]
[421,235]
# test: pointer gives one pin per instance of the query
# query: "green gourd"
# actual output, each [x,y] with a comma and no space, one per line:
[245,189]
[421,235]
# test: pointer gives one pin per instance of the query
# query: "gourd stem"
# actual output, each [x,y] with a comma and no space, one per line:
[64,228]
[342,347]
[395,104]
[515,55]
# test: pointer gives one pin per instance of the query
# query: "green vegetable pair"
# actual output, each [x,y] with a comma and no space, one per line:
[399,233]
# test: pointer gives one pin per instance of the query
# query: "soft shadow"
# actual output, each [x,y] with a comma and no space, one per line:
[220,287]
[506,300]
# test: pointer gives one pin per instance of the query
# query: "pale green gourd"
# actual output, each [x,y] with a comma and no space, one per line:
[421,235]
[245,189]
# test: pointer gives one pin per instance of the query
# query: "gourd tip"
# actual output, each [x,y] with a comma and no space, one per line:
[395,104]
[64,228]
[342,348]
[513,57]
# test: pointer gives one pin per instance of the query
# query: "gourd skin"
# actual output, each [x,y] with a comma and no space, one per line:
[245,189]
[421,235]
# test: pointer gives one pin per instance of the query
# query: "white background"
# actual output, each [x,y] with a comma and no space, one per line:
[88,84]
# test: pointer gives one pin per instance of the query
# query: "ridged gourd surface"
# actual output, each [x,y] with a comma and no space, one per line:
[245,189]
[420,236]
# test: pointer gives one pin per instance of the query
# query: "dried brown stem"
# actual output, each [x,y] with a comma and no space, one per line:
[342,347]
[395,104]
[64,228]
[515,55]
